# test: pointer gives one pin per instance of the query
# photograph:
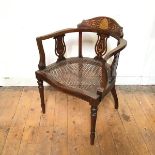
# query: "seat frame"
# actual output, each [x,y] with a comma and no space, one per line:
[93,25]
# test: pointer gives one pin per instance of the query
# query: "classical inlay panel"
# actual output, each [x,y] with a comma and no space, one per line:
[104,23]
[60,47]
[101,46]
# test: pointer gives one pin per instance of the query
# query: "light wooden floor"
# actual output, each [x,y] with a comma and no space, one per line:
[64,129]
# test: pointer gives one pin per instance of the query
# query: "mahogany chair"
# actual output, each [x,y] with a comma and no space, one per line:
[87,78]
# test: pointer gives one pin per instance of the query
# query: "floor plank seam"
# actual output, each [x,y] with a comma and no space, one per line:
[102,106]
[125,130]
[67,126]
[138,127]
[143,112]
[53,121]
[24,126]
[21,92]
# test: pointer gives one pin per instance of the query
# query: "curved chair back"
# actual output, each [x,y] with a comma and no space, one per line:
[103,23]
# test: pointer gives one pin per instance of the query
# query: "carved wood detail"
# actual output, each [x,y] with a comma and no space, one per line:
[103,23]
[60,47]
[86,78]
[114,66]
[41,92]
[93,123]
[101,46]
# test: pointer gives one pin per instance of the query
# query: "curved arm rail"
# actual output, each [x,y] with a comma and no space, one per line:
[57,33]
[42,63]
[122,44]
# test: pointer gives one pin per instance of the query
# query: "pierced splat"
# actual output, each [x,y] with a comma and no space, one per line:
[101,46]
[60,47]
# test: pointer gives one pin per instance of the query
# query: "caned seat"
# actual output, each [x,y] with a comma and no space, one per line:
[87,78]
[82,74]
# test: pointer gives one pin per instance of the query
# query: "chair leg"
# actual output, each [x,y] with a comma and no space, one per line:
[93,123]
[41,92]
[114,94]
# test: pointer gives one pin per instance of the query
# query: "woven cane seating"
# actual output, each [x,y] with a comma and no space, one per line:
[87,78]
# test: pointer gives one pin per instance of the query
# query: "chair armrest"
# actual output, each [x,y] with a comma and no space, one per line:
[42,62]
[122,44]
[56,33]
[115,52]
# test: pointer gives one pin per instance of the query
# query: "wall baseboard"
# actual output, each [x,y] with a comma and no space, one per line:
[121,80]
[135,80]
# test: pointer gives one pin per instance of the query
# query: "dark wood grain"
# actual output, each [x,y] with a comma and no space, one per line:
[80,44]
[41,92]
[93,124]
[90,79]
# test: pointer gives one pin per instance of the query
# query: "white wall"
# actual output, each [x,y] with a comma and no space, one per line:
[22,21]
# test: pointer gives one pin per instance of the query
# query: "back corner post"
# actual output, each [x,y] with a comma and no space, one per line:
[80,44]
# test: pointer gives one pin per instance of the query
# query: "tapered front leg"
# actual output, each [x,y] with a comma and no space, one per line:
[93,123]
[114,94]
[41,92]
